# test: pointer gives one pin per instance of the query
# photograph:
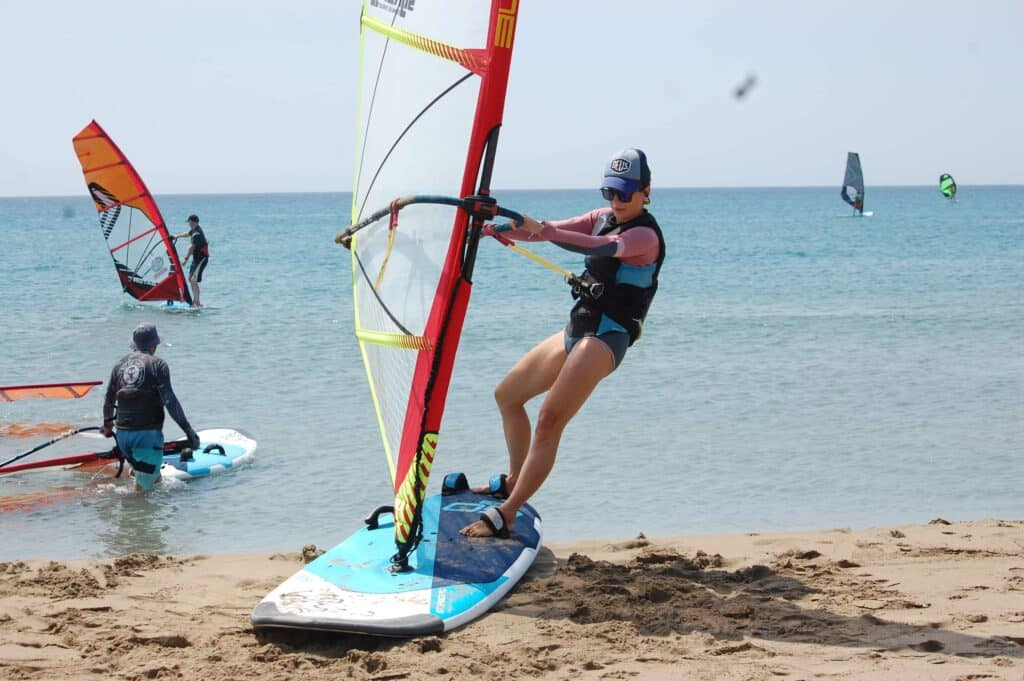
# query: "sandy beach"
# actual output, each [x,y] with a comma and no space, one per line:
[937,601]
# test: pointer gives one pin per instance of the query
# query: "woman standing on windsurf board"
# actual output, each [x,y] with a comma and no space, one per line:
[624,249]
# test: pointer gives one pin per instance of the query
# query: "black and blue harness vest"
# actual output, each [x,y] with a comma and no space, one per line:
[619,295]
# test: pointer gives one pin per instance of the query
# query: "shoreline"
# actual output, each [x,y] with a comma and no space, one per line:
[942,600]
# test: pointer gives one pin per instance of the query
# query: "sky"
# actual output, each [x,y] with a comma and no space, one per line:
[224,96]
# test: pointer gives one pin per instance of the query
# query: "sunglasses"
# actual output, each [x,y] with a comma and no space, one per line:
[608,193]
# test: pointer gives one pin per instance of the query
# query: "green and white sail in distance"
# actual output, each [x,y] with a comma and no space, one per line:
[947,185]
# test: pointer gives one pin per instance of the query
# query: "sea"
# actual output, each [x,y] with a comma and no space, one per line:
[800,368]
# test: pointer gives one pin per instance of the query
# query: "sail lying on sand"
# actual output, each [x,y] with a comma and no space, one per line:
[142,249]
[853,180]
[432,92]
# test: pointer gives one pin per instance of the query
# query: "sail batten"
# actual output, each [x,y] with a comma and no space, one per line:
[432,89]
[153,273]
[472,60]
[115,249]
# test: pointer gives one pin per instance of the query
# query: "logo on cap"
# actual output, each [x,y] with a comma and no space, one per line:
[619,165]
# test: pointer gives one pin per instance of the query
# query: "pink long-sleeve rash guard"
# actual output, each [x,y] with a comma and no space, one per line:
[638,246]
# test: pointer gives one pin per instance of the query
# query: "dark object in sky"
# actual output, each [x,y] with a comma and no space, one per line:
[741,91]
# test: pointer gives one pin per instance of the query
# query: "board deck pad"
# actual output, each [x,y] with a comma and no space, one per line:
[453,579]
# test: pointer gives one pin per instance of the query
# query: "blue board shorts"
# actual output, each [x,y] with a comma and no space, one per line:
[617,342]
[146,446]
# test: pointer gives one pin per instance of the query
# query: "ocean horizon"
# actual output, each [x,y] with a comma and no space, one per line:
[499,190]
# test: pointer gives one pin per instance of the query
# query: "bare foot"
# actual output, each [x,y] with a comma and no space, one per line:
[477,529]
[482,528]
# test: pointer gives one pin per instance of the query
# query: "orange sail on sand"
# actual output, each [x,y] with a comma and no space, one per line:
[144,255]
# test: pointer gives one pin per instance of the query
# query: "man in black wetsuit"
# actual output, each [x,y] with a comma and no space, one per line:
[140,388]
[199,251]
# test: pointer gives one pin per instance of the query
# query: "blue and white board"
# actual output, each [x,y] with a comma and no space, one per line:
[221,450]
[453,580]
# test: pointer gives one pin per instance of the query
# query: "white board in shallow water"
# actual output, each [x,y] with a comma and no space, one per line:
[453,579]
[220,450]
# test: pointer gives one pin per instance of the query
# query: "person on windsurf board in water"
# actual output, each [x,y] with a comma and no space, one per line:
[198,251]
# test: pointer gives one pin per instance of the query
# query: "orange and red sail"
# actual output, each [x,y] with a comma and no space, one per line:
[144,255]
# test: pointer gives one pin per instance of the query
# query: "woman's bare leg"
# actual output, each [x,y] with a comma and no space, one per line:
[534,374]
[531,376]
[590,361]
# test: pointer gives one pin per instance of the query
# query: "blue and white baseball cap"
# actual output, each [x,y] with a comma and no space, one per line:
[627,171]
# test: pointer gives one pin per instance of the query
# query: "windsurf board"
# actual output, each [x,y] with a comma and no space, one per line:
[452,579]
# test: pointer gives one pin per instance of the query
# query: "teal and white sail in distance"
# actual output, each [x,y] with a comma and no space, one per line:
[853,182]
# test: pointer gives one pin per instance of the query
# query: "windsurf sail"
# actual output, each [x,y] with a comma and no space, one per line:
[12,393]
[173,448]
[853,181]
[431,96]
[142,249]
[5,466]
[74,460]
[947,185]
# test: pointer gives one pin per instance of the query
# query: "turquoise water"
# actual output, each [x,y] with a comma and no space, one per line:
[800,369]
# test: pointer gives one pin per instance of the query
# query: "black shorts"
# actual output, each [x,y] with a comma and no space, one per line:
[198,266]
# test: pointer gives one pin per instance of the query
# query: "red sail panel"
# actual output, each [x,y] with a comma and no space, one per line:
[144,255]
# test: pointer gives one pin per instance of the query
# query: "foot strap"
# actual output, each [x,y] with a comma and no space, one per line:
[493,518]
[498,486]
[453,484]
